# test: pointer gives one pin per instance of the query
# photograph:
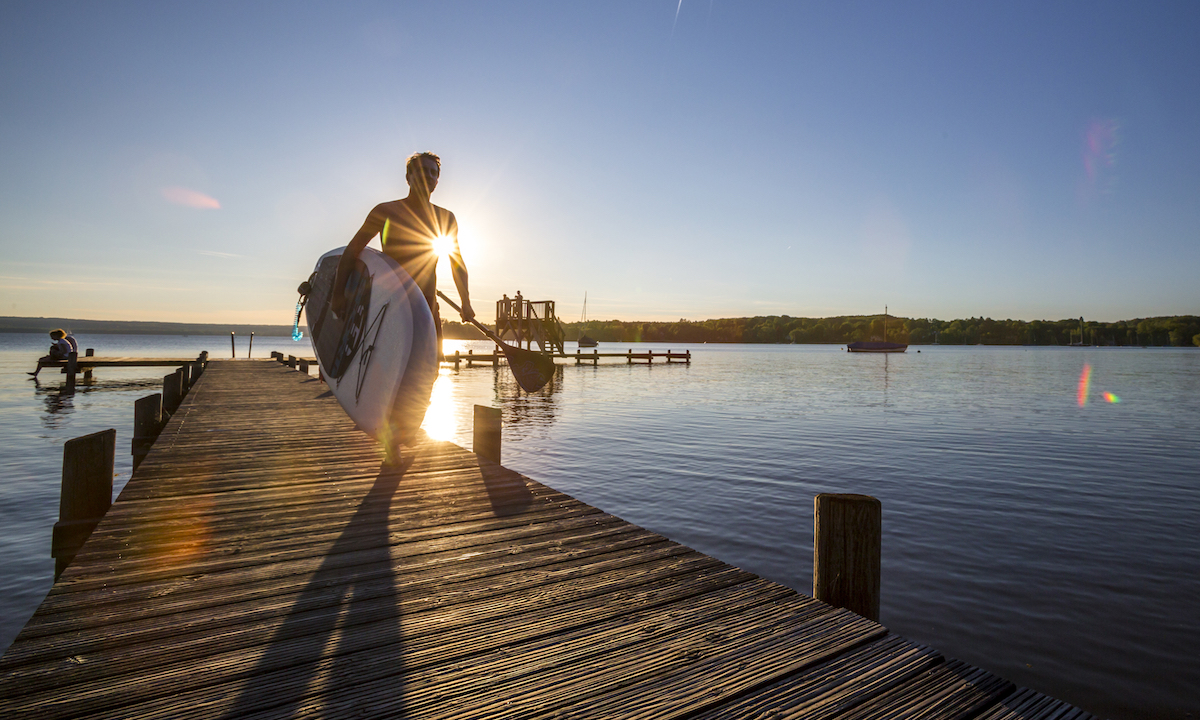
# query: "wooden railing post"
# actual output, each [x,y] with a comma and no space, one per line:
[87,371]
[232,347]
[86,493]
[303,366]
[486,440]
[185,377]
[171,394]
[147,422]
[847,535]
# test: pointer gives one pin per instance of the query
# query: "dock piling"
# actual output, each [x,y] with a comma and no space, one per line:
[86,493]
[847,535]
[87,371]
[232,347]
[303,366]
[147,422]
[486,440]
[172,394]
[250,350]
[72,368]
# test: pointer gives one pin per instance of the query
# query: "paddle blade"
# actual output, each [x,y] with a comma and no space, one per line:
[531,370]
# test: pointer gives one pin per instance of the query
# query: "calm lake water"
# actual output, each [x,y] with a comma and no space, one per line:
[1054,543]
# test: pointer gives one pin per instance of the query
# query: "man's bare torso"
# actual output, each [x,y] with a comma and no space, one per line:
[407,232]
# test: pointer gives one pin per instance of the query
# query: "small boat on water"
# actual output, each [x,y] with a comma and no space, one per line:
[584,340]
[877,346]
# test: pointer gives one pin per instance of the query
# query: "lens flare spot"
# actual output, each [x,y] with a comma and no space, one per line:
[1111,398]
[1085,384]
[189,198]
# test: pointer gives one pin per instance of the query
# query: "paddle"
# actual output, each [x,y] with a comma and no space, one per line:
[532,370]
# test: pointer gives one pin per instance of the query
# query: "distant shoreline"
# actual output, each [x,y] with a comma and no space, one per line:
[134,327]
[451,330]
[1177,330]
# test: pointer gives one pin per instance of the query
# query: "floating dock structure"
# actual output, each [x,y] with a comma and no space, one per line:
[266,561]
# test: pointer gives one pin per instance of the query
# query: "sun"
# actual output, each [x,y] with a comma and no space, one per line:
[442,245]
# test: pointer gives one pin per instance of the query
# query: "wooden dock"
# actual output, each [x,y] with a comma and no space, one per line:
[264,562]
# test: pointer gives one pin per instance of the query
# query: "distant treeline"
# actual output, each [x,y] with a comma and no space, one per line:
[1179,331]
[450,329]
[130,327]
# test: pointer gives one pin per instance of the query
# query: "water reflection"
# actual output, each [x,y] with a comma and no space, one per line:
[59,403]
[520,407]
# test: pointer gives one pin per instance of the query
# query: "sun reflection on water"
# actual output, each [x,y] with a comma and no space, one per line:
[440,422]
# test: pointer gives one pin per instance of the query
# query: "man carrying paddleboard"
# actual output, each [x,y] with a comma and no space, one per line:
[412,230]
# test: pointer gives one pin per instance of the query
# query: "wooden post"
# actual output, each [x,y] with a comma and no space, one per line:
[496,357]
[291,361]
[486,441]
[185,377]
[847,535]
[232,347]
[87,371]
[197,369]
[629,356]
[576,356]
[147,421]
[250,349]
[171,394]
[86,493]
[470,355]
[457,358]
[304,366]
[72,368]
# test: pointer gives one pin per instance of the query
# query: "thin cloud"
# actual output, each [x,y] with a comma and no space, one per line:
[177,195]
[214,253]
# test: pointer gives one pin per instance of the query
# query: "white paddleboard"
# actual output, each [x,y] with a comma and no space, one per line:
[380,358]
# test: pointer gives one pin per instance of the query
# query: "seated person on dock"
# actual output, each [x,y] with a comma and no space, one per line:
[411,230]
[61,347]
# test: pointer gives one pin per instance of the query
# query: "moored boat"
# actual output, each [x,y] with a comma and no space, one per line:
[877,346]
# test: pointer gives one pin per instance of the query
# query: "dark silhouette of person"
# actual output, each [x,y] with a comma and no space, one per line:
[411,230]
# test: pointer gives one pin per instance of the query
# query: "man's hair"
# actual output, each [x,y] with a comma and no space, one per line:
[57,334]
[415,160]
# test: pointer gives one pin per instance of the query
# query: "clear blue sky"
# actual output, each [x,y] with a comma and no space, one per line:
[674,160]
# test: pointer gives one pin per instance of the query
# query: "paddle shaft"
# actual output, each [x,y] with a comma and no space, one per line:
[483,328]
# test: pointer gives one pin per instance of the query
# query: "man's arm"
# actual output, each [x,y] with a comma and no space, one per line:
[459,270]
[370,228]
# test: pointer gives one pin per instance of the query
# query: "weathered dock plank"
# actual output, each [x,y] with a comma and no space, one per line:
[266,562]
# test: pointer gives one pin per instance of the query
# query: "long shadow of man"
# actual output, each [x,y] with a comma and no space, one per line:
[349,604]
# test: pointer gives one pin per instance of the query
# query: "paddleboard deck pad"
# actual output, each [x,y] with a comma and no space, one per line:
[380,357]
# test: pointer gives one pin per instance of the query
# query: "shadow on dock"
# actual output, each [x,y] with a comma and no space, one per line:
[349,605]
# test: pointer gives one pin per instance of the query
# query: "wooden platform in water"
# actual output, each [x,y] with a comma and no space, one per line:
[263,562]
[92,361]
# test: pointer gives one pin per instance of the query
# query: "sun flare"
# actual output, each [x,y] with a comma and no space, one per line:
[442,245]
